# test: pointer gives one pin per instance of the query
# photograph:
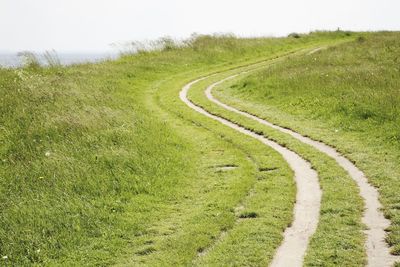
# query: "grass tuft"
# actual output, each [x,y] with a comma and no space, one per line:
[29,60]
[248,215]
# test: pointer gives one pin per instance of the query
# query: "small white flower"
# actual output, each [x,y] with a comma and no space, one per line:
[38,250]
[47,154]
[336,130]
[5,257]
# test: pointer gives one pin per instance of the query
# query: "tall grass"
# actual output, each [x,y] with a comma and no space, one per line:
[52,59]
[34,61]
[29,59]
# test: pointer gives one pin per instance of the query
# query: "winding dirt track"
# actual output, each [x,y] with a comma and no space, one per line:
[378,252]
[308,198]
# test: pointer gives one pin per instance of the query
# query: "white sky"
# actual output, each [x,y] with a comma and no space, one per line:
[92,25]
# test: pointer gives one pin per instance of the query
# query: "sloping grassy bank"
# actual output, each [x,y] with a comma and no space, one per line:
[93,171]
[347,96]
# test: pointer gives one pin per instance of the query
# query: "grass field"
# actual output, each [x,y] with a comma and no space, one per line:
[347,96]
[101,164]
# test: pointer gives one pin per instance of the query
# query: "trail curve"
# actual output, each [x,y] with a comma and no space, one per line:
[308,197]
[378,251]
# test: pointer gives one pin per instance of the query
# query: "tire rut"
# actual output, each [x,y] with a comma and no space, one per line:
[378,251]
[308,197]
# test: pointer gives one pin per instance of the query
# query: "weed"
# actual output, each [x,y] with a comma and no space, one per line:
[248,214]
[29,59]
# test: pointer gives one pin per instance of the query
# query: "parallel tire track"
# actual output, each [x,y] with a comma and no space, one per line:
[308,198]
[378,252]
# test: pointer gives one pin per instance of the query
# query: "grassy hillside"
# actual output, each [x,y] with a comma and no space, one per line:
[98,169]
[347,96]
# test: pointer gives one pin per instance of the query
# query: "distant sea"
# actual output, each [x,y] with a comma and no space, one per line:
[11,60]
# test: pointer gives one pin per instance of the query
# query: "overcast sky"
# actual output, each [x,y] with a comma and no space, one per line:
[92,25]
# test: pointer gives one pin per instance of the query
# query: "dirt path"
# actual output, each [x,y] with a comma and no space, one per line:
[378,252]
[308,197]
[315,50]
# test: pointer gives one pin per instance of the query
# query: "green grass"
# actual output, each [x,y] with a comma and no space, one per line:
[339,239]
[102,164]
[347,96]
